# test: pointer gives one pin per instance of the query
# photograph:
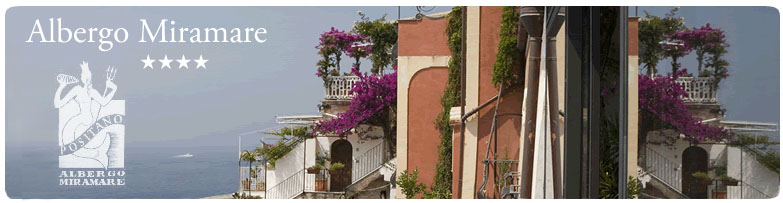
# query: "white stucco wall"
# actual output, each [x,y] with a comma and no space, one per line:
[287,166]
[674,152]
[292,162]
[743,166]
[359,146]
[750,171]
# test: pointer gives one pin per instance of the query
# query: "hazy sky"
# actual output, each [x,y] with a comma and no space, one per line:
[243,88]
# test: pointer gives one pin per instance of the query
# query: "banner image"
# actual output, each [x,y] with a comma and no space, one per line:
[391,102]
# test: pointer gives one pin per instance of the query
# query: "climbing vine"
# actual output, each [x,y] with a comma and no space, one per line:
[508,52]
[441,185]
[383,36]
[289,138]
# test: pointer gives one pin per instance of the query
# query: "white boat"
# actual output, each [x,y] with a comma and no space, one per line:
[186,155]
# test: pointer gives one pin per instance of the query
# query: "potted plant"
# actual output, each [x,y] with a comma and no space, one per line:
[261,186]
[246,183]
[336,168]
[315,169]
[320,184]
[702,176]
[729,180]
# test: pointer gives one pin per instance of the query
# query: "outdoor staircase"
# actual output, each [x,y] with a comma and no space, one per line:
[665,177]
[373,184]
[368,179]
[656,189]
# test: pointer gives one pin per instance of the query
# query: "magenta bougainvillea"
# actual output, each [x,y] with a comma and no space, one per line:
[676,48]
[703,40]
[359,49]
[333,44]
[660,101]
[375,96]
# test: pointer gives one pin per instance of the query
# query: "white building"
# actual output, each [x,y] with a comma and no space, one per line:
[669,162]
[368,169]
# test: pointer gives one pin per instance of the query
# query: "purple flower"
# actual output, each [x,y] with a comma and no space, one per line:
[660,100]
[374,96]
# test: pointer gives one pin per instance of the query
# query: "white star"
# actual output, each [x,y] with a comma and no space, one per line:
[201,62]
[166,62]
[147,62]
[183,62]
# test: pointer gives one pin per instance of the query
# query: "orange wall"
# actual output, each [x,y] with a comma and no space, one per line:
[508,126]
[423,37]
[423,108]
[633,36]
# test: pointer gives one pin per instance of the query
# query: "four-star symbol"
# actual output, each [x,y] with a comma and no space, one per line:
[201,62]
[183,62]
[166,62]
[147,62]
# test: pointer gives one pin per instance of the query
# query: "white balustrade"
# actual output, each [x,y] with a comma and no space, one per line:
[699,89]
[339,87]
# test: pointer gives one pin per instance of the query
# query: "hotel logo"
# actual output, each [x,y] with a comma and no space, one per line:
[91,131]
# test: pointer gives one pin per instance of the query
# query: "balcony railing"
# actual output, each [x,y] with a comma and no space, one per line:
[700,89]
[664,170]
[255,183]
[339,87]
[368,162]
[745,191]
[289,187]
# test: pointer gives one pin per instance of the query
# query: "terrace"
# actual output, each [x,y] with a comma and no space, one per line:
[700,89]
[339,87]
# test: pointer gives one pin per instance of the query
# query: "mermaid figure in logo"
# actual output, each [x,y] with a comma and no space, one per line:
[89,102]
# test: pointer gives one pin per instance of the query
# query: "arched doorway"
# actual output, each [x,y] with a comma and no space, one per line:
[694,159]
[341,152]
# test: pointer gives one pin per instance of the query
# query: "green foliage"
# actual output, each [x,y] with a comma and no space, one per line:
[336,166]
[320,159]
[249,156]
[295,133]
[652,30]
[634,187]
[503,168]
[236,195]
[716,63]
[441,184]
[289,138]
[608,187]
[383,36]
[609,163]
[409,184]
[701,175]
[760,141]
[768,158]
[316,167]
[508,55]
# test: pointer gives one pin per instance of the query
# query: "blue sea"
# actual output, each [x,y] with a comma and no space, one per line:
[151,172]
